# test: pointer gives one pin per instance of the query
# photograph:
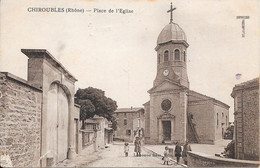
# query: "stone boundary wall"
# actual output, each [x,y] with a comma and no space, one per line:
[196,159]
[20,120]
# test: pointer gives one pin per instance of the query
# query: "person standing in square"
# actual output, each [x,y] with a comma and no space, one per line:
[186,148]
[178,151]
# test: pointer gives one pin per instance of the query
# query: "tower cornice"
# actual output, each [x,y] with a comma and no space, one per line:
[172,42]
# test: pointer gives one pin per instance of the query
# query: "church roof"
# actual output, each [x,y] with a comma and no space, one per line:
[166,81]
[204,97]
[170,32]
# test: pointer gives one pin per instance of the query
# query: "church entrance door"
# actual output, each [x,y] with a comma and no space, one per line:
[166,130]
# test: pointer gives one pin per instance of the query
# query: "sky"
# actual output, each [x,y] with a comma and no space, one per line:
[115,52]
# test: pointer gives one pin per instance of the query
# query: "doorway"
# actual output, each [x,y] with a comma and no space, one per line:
[57,123]
[166,130]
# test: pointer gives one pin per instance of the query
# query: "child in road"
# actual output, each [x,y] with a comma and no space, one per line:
[126,149]
[166,155]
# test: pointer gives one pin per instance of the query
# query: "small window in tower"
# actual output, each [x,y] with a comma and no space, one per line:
[166,56]
[159,59]
[177,54]
[184,56]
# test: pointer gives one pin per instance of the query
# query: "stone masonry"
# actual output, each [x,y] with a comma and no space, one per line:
[246,104]
[20,120]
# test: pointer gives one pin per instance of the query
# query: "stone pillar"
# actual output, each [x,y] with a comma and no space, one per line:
[71,149]
[183,116]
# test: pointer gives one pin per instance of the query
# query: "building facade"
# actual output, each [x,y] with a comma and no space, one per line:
[246,111]
[89,133]
[174,112]
[130,123]
[104,132]
[97,132]
[39,116]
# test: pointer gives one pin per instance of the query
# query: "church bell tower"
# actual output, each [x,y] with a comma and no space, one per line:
[172,55]
[166,112]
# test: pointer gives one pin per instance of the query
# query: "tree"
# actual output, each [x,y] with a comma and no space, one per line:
[87,110]
[94,102]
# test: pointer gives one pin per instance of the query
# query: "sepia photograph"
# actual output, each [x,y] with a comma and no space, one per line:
[129,83]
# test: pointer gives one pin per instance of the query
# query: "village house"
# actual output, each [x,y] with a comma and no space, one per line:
[98,132]
[104,131]
[89,132]
[130,123]
[246,111]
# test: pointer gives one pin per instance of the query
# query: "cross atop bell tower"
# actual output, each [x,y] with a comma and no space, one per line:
[171,54]
[171,10]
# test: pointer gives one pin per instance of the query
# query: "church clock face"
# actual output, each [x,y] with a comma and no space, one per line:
[166,72]
[166,105]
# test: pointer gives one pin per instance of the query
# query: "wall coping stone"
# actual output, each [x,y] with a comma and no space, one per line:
[20,80]
[210,157]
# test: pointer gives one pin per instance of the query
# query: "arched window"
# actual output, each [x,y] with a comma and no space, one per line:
[166,56]
[177,54]
[184,56]
[159,58]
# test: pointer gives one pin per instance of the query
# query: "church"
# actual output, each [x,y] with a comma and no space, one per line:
[175,113]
